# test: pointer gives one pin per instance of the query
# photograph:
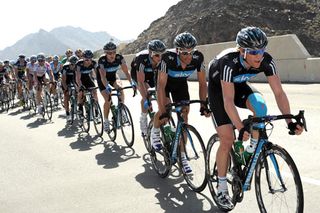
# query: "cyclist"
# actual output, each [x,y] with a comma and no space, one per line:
[85,72]
[68,78]
[20,73]
[42,68]
[229,73]
[68,53]
[175,68]
[109,64]
[4,74]
[78,53]
[144,68]
[9,68]
[56,67]
[31,66]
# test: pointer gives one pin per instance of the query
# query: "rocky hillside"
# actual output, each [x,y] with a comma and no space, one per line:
[213,21]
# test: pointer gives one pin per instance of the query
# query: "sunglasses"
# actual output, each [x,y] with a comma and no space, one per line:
[87,59]
[255,52]
[40,60]
[110,52]
[185,53]
[158,55]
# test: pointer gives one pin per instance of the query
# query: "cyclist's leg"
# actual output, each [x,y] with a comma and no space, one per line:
[225,132]
[144,111]
[252,100]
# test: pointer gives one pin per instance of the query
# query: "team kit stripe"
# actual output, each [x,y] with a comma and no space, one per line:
[227,73]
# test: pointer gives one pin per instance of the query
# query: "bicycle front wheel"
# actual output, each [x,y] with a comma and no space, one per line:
[97,119]
[86,117]
[48,106]
[195,154]
[126,123]
[277,182]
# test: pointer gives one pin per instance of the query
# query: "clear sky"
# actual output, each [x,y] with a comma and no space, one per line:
[124,19]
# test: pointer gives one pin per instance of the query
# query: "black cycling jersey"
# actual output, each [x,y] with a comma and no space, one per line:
[143,63]
[3,74]
[86,72]
[110,68]
[171,64]
[177,76]
[227,67]
[21,68]
[69,73]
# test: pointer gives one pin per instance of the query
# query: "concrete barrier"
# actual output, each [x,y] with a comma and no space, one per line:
[292,59]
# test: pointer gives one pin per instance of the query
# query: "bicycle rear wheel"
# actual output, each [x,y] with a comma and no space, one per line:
[161,159]
[97,118]
[212,170]
[126,123]
[195,153]
[277,182]
[73,109]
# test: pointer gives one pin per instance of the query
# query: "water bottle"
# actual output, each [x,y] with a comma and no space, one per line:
[238,148]
[250,149]
[173,132]
[167,131]
[113,109]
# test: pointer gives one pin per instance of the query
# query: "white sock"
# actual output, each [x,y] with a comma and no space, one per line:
[222,184]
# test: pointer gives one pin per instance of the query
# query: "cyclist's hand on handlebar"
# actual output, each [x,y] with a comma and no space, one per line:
[295,128]
[244,134]
[204,111]
[134,87]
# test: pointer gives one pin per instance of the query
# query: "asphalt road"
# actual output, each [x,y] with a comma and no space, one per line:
[48,167]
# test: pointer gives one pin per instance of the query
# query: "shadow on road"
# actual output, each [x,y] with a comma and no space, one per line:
[114,154]
[85,141]
[69,131]
[38,122]
[173,193]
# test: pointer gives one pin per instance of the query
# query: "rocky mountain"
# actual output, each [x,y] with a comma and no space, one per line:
[212,21]
[56,42]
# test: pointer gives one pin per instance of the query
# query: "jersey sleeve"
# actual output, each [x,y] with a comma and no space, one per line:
[268,65]
[200,66]
[226,70]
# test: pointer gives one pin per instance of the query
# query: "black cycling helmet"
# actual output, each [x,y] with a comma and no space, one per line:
[110,46]
[252,38]
[6,61]
[22,56]
[156,46]
[33,58]
[87,54]
[185,40]
[73,59]
[41,56]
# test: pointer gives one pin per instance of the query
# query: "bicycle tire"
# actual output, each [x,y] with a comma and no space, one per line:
[112,118]
[195,153]
[276,156]
[97,118]
[86,117]
[61,96]
[73,109]
[48,106]
[161,159]
[126,125]
[146,138]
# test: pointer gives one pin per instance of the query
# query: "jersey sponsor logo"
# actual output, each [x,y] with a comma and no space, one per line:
[243,78]
[112,69]
[180,74]
[148,69]
[86,71]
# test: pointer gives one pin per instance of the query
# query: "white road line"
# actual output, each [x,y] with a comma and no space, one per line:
[310,181]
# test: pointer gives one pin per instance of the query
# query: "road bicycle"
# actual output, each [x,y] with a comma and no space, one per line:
[120,118]
[92,112]
[278,185]
[46,101]
[184,139]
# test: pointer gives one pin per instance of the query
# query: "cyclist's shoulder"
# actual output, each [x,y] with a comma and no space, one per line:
[169,56]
